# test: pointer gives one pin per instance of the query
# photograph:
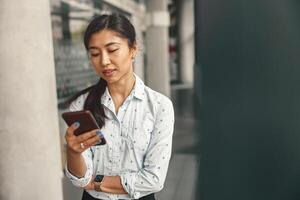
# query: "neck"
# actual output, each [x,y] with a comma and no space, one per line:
[123,87]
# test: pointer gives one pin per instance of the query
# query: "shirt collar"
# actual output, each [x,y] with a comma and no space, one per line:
[137,92]
[106,98]
[139,88]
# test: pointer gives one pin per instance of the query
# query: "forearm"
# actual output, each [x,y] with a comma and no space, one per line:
[76,164]
[113,190]
[112,184]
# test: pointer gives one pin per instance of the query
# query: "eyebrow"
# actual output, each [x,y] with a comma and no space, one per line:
[108,44]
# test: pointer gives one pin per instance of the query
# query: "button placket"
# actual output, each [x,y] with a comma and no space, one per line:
[115,148]
[112,144]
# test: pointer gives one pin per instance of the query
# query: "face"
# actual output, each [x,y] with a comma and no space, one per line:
[111,56]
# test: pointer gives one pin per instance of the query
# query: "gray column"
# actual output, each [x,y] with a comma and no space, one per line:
[139,24]
[186,40]
[30,166]
[157,70]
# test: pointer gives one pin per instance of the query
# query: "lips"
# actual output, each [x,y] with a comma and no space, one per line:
[108,72]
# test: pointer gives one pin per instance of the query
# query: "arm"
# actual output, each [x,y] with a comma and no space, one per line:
[152,176]
[79,167]
[109,184]
[112,184]
[76,164]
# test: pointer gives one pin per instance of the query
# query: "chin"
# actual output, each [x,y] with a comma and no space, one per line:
[111,80]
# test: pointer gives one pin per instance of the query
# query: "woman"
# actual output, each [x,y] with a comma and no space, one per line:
[136,121]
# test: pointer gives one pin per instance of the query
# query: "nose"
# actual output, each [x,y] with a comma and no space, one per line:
[105,60]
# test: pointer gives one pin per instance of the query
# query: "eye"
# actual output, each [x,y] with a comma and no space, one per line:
[94,54]
[112,50]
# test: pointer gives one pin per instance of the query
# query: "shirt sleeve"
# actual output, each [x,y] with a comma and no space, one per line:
[151,177]
[82,181]
[87,154]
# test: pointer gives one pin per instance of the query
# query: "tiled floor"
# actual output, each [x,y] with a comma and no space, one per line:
[181,178]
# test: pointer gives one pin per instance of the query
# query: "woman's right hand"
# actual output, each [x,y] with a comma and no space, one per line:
[78,144]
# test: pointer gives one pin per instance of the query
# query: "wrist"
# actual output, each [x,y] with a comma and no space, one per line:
[72,153]
[97,186]
[98,182]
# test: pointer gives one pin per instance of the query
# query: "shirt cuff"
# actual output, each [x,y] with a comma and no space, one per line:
[79,182]
[128,180]
[83,181]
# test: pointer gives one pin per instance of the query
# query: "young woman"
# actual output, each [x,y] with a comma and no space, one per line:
[136,121]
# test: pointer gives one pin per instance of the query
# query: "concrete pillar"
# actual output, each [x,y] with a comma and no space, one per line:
[157,69]
[139,59]
[186,41]
[30,166]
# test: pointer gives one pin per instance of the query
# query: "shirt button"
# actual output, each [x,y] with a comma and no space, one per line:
[137,195]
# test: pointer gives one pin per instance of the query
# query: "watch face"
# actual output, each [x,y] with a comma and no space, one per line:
[98,178]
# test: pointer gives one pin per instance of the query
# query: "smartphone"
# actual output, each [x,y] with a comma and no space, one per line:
[86,120]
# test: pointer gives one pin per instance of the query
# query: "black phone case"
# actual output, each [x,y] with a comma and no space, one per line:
[86,120]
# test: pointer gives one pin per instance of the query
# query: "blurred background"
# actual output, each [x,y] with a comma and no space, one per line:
[231,69]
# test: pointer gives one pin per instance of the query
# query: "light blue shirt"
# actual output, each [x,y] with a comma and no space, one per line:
[139,143]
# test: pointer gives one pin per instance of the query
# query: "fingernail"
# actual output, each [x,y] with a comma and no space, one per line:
[76,124]
[99,142]
[99,133]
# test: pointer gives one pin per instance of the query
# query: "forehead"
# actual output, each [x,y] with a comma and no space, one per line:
[105,37]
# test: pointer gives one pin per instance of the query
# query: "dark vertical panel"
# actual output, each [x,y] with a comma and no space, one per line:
[248,54]
[65,18]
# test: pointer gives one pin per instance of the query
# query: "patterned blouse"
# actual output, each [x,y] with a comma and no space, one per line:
[139,143]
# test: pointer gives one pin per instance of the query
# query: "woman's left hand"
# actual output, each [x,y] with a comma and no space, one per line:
[109,184]
[90,186]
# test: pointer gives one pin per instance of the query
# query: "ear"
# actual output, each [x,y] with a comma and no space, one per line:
[134,50]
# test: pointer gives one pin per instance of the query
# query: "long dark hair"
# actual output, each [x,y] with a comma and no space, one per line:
[121,25]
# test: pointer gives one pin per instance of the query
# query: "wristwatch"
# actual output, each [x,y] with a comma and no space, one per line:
[97,183]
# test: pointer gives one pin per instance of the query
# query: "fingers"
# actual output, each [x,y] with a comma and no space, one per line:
[72,128]
[90,186]
[91,141]
[82,142]
[86,135]
[69,136]
[87,140]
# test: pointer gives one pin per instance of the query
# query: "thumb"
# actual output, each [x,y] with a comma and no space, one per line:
[72,128]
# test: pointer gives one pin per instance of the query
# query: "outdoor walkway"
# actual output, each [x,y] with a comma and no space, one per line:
[182,175]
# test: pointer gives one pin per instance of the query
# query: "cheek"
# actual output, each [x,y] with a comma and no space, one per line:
[93,62]
[123,60]
[96,67]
